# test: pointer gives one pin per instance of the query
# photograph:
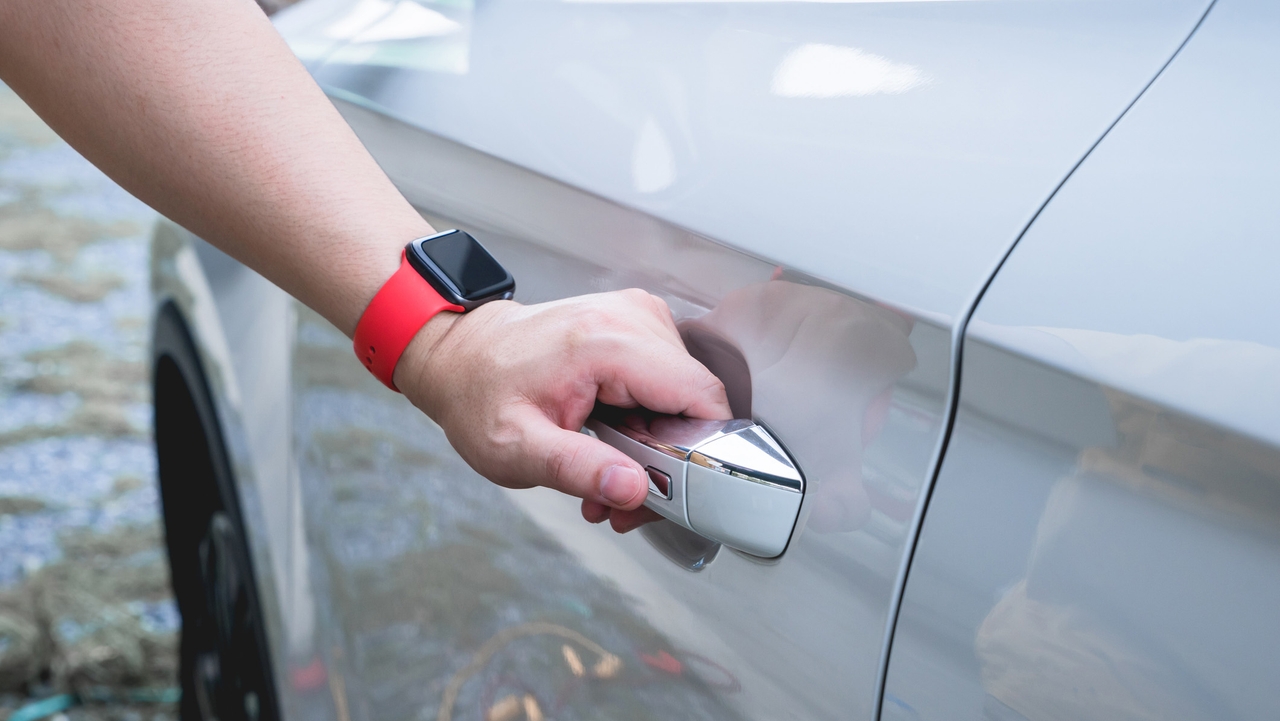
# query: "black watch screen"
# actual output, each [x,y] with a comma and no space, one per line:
[460,268]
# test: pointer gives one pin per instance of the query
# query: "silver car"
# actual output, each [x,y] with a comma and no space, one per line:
[994,288]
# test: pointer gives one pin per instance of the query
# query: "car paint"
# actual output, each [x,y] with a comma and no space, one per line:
[850,532]
[833,236]
[892,149]
[1102,539]
[507,47]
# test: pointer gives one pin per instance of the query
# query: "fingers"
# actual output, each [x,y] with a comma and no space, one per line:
[658,309]
[628,341]
[629,308]
[595,512]
[661,378]
[664,379]
[580,465]
[626,521]
[621,521]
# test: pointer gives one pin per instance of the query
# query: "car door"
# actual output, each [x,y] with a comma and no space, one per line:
[818,191]
[1102,539]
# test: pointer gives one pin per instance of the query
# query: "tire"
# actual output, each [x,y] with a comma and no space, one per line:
[225,664]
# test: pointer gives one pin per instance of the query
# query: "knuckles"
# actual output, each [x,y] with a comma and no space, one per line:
[636,298]
[592,330]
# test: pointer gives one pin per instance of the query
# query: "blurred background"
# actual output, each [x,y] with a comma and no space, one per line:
[88,628]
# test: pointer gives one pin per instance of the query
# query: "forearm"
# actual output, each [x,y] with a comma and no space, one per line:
[199,109]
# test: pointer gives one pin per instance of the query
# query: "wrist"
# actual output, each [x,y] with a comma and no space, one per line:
[370,269]
[447,271]
[398,311]
[426,344]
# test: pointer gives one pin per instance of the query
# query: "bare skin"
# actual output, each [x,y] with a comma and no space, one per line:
[199,109]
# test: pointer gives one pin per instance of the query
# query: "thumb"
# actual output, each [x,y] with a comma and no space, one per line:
[581,466]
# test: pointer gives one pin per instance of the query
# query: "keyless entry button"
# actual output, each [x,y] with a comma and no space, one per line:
[659,482]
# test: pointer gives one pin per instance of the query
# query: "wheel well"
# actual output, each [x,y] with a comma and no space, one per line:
[196,483]
[193,473]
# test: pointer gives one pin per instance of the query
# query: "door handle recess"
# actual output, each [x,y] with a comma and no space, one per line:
[730,481]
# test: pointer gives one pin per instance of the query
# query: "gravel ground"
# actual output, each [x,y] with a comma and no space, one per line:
[85,605]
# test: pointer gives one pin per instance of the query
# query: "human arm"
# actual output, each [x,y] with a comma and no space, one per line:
[198,108]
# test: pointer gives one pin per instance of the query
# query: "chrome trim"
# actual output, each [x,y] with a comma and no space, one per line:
[739,448]
[752,455]
[674,436]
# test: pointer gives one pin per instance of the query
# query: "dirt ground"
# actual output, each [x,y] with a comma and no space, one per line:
[85,606]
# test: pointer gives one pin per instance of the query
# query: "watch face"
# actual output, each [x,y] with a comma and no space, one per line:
[467,265]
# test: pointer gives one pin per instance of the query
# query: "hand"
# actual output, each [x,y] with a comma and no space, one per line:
[512,384]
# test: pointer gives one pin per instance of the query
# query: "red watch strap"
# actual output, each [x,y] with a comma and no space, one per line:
[395,315]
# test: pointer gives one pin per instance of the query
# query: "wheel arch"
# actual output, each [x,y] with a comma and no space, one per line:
[190,355]
[196,478]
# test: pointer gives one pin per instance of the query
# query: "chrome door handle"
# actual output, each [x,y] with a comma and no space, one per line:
[730,481]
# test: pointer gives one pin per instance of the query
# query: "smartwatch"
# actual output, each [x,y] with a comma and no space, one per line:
[446,271]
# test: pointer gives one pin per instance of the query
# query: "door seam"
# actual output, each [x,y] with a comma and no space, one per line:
[958,332]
